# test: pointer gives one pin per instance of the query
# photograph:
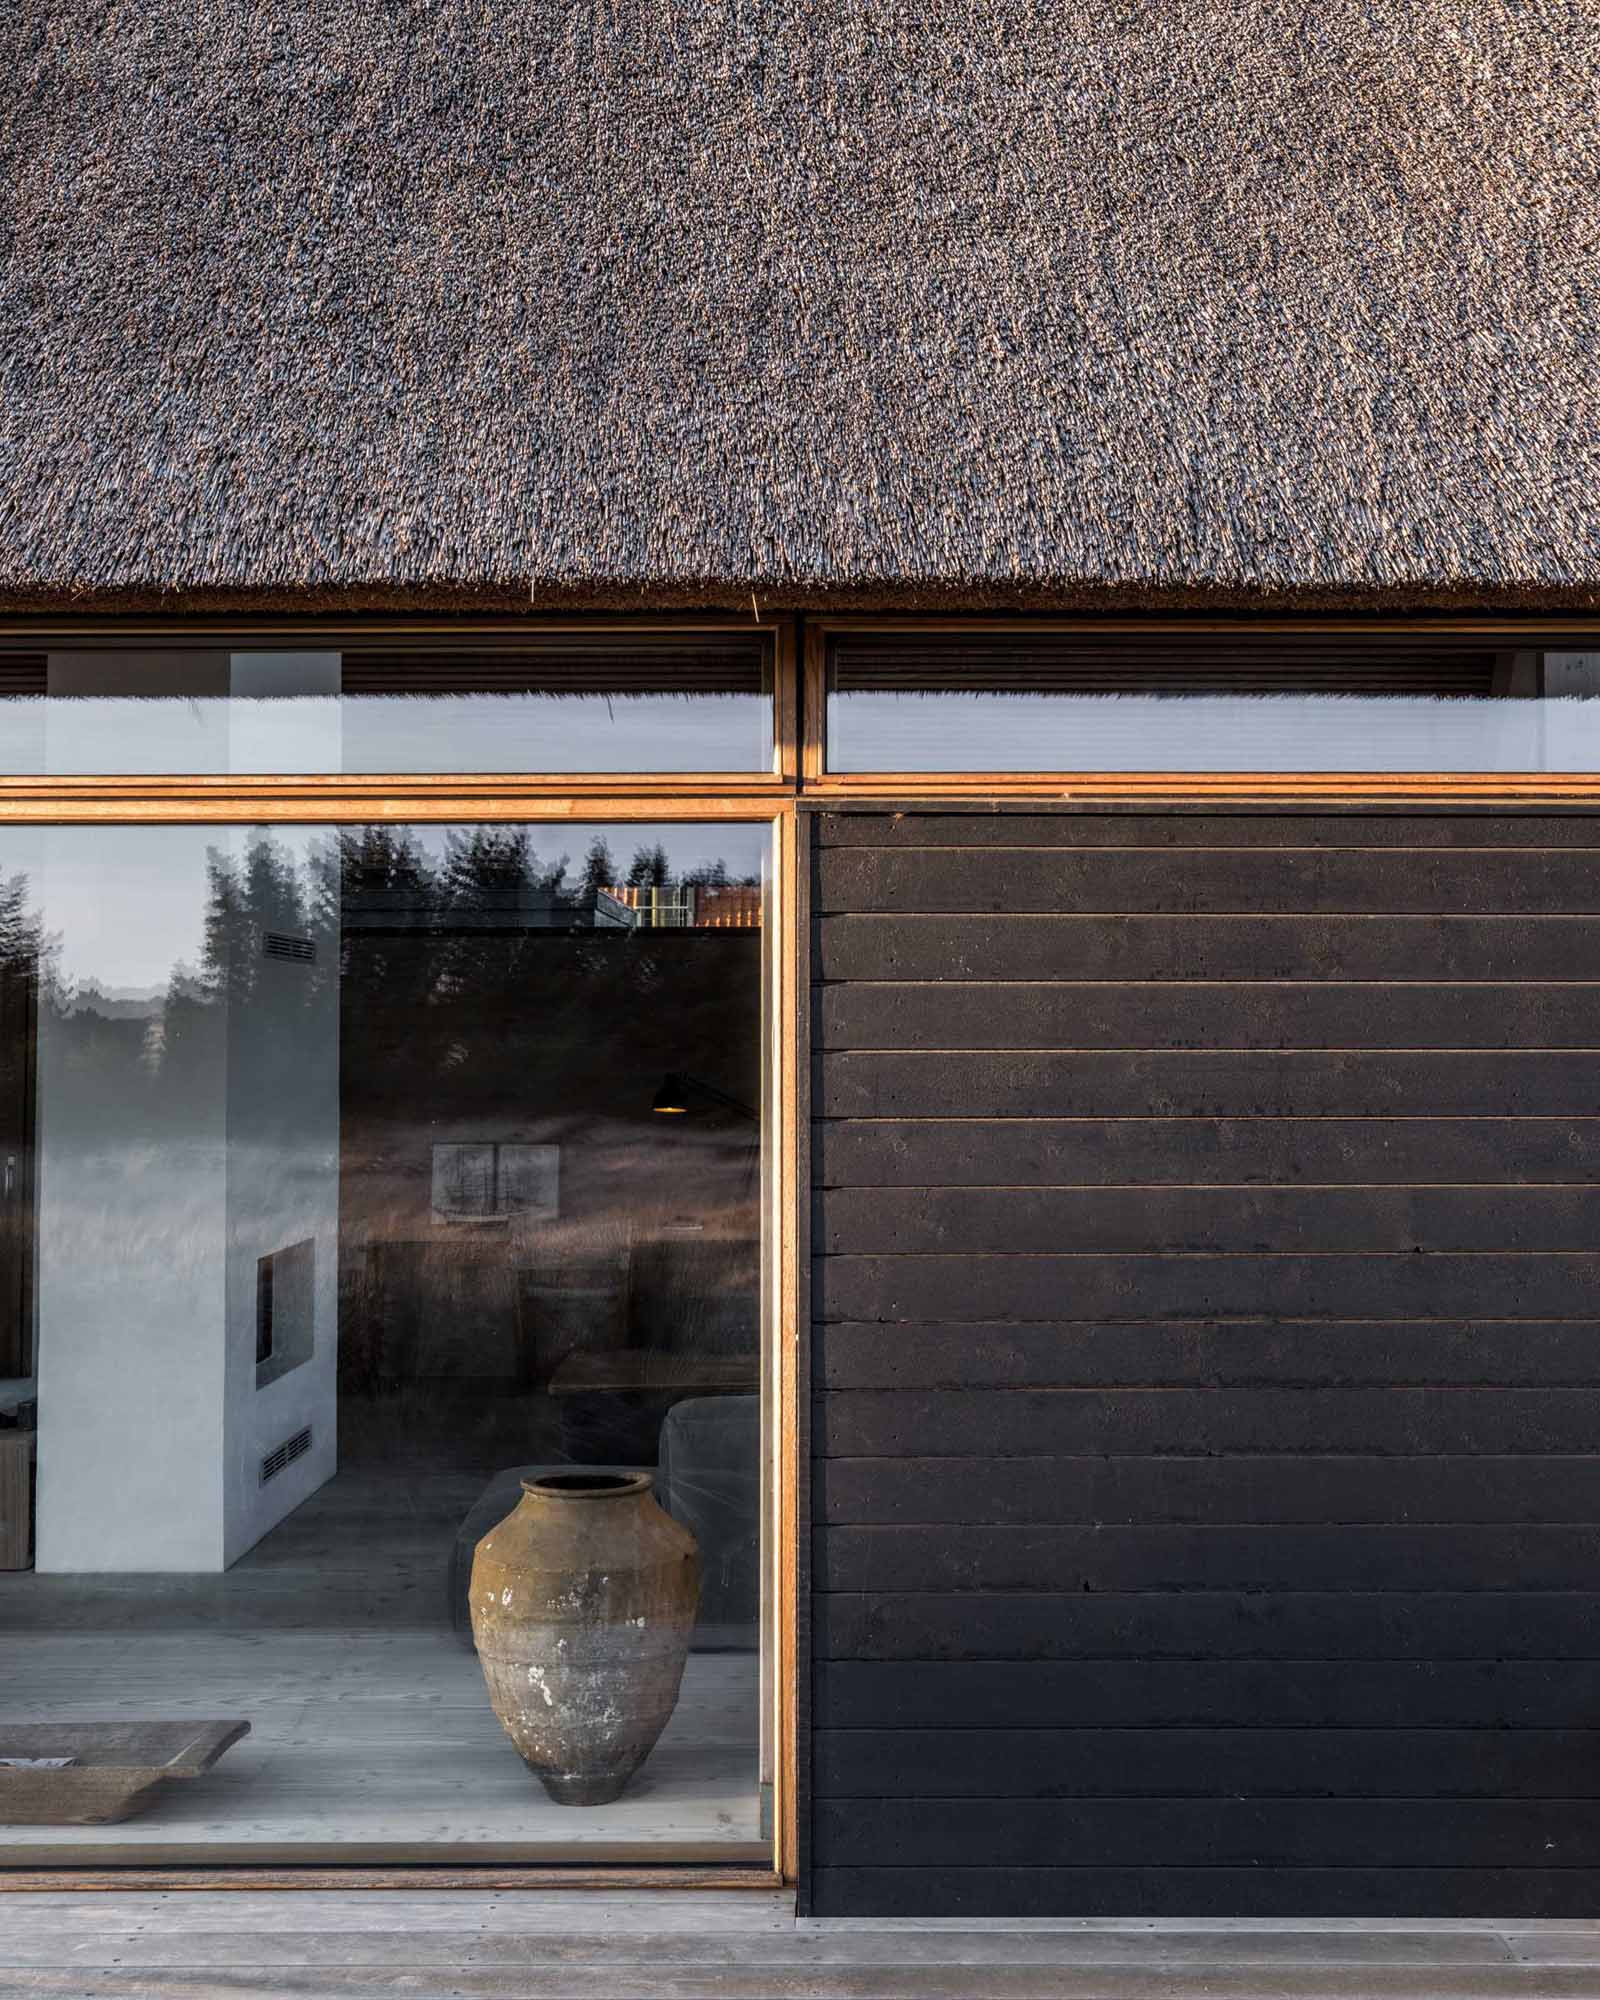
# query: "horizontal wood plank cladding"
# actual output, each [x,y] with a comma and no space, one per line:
[1285,1353]
[1406,1286]
[1127,948]
[1205,1083]
[1255,1892]
[1225,1014]
[940,1423]
[1096,1762]
[1198,1491]
[1185,827]
[1184,1693]
[1235,1221]
[1206,1296]
[1214,1833]
[1260,880]
[1090,1152]
[1256,1557]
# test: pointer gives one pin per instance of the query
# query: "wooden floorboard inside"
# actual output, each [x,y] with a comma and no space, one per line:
[381,1741]
[371,1737]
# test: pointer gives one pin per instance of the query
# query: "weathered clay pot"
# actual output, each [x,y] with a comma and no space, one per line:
[583,1600]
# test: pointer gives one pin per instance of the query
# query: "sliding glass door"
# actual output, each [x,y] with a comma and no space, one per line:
[384,1297]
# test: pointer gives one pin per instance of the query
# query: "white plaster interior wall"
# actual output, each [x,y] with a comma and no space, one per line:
[130,1268]
[152,1429]
[283,1188]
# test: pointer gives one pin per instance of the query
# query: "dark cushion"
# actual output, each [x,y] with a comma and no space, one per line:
[710,1480]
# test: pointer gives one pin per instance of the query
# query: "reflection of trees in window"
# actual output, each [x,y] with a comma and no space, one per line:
[356,901]
[599,869]
[269,954]
[21,933]
[649,868]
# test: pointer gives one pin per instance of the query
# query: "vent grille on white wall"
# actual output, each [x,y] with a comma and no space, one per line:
[297,950]
[285,1454]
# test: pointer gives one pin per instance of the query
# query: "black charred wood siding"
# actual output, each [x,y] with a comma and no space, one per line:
[1206,1302]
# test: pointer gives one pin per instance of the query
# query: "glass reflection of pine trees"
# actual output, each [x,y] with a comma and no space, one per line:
[437,952]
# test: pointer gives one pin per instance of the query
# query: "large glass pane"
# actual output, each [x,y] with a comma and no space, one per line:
[371,1196]
[1044,704]
[564,705]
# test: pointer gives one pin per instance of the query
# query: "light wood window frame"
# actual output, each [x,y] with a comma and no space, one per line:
[324,797]
[1347,787]
[762,798]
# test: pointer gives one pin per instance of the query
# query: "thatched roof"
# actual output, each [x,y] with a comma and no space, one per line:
[669,300]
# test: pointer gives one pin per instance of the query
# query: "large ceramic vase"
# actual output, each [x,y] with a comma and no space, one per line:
[583,1602]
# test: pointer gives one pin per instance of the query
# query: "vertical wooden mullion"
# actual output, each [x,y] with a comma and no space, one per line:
[814,704]
[794,1859]
[786,699]
[788,1332]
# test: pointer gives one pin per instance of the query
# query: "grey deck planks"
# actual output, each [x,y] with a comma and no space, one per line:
[746,1946]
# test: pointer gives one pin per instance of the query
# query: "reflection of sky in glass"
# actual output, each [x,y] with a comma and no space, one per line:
[379,733]
[1031,732]
[128,904]
[537,732]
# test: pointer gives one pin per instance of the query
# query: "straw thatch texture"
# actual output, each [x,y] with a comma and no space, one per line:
[977,300]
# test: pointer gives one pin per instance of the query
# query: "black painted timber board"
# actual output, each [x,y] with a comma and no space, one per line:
[1190,1150]
[1096,1761]
[1210,1083]
[900,1699]
[1406,1284]
[1219,1832]
[1213,827]
[1286,1014]
[1405,1422]
[1272,1489]
[906,1647]
[1259,1556]
[1240,1221]
[864,881]
[1263,1352]
[1033,947]
[1083,1890]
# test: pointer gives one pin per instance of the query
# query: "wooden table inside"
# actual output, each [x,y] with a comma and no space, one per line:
[623,1370]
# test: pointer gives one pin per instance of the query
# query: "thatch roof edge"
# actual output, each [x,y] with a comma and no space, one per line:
[912,597]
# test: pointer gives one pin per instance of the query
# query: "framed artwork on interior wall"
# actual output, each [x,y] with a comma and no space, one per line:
[487,1180]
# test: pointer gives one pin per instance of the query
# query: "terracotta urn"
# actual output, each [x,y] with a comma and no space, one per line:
[583,1602]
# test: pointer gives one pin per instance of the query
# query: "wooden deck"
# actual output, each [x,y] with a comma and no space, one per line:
[662,1945]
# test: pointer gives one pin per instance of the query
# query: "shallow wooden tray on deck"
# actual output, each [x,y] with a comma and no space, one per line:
[117,1767]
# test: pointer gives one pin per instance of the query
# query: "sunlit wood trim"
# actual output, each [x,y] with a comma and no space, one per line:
[792,1044]
[1378,787]
[786,700]
[814,704]
[323,1875]
[322,799]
